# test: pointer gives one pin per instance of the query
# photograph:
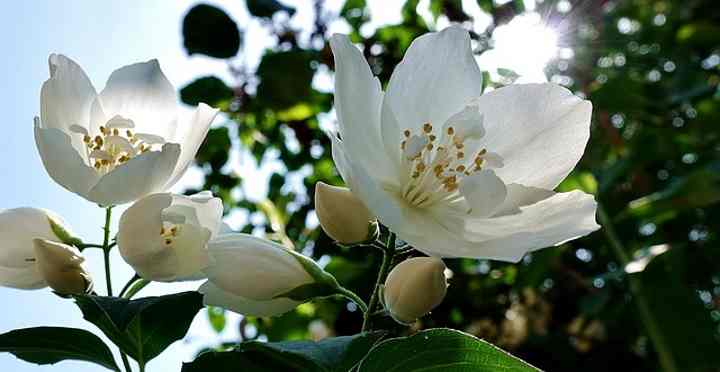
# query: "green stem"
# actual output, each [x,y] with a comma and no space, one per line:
[135,288]
[350,295]
[388,253]
[126,362]
[106,249]
[667,361]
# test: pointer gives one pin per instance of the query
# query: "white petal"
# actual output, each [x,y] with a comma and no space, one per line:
[254,268]
[151,139]
[142,246]
[392,136]
[202,209]
[342,164]
[520,196]
[467,124]
[62,161]
[22,278]
[437,77]
[214,296]
[118,121]
[141,92]
[140,176]
[484,192]
[358,98]
[539,130]
[191,140]
[65,98]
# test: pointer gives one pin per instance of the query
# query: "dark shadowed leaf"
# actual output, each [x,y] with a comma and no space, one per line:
[331,354]
[677,308]
[144,327]
[209,90]
[440,350]
[49,345]
[266,8]
[285,78]
[209,30]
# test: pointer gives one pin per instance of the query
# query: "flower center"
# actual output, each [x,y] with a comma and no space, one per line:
[168,232]
[116,144]
[436,166]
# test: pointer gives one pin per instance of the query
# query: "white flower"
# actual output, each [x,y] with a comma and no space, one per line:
[414,287]
[18,228]
[251,276]
[453,172]
[342,215]
[60,266]
[164,236]
[119,145]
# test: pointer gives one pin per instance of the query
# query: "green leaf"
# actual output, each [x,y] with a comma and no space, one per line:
[699,189]
[266,8]
[331,355]
[49,345]
[285,78]
[683,320]
[208,89]
[440,349]
[144,327]
[209,30]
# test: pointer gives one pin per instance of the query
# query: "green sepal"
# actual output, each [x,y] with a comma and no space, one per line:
[63,234]
[309,291]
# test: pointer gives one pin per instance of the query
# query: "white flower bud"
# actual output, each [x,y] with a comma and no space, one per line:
[414,287]
[59,264]
[258,277]
[164,236]
[342,215]
[18,228]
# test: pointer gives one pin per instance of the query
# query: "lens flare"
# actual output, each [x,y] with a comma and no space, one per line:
[524,45]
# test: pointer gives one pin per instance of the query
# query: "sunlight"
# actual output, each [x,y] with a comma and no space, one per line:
[524,45]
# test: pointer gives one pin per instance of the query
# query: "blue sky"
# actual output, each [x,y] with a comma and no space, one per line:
[102,36]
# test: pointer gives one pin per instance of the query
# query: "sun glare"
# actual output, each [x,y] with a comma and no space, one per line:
[524,45]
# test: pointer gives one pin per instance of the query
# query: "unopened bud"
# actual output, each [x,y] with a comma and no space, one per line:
[59,265]
[414,287]
[342,215]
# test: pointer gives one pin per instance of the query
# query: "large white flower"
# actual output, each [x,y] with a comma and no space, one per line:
[121,144]
[164,236]
[453,172]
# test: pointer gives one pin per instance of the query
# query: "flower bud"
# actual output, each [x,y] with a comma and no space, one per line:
[258,277]
[59,264]
[414,287]
[18,228]
[164,236]
[342,215]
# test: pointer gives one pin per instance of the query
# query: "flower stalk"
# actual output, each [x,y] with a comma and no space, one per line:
[388,253]
[106,249]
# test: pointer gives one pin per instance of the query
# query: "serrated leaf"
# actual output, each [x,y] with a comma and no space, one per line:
[440,349]
[49,345]
[143,327]
[332,355]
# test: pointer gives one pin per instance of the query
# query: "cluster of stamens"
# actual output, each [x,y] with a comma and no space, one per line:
[116,144]
[436,166]
[169,232]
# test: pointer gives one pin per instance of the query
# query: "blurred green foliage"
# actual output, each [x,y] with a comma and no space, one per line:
[651,70]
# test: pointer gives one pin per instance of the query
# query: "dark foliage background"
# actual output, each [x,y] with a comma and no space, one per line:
[651,69]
